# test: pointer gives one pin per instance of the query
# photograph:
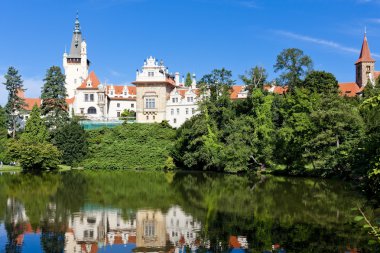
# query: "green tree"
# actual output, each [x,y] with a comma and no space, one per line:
[34,157]
[294,66]
[32,150]
[254,78]
[127,114]
[71,140]
[54,106]
[3,133]
[321,82]
[16,104]
[188,81]
[218,83]
[35,128]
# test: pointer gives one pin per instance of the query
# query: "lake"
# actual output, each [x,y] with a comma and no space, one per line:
[126,211]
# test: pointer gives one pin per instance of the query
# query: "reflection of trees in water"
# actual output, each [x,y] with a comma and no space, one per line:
[14,224]
[290,211]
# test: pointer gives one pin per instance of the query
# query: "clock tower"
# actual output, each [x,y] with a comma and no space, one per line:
[76,63]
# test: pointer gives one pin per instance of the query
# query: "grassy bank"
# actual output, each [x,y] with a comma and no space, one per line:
[130,146]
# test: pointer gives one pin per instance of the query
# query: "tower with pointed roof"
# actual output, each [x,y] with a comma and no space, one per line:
[365,65]
[76,63]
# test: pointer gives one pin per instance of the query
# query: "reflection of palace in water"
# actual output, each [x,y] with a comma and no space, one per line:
[109,230]
[143,231]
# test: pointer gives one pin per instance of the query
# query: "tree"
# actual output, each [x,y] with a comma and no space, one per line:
[321,82]
[35,129]
[294,65]
[32,150]
[127,114]
[188,81]
[34,157]
[254,78]
[16,104]
[71,140]
[54,106]
[218,83]
[3,133]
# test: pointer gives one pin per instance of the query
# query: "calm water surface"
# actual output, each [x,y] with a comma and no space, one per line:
[156,212]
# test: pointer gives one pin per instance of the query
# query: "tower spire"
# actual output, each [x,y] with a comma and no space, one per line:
[365,53]
[77,24]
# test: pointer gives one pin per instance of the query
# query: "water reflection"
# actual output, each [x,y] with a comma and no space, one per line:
[156,212]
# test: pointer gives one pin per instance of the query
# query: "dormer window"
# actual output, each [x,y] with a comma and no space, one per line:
[111,92]
[175,100]
[89,83]
[368,68]
[190,99]
[150,74]
[125,93]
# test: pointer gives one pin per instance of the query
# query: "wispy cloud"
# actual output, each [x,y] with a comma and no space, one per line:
[322,42]
[373,20]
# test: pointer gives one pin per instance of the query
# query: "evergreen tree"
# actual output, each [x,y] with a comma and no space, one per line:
[71,140]
[35,129]
[188,81]
[54,106]
[16,104]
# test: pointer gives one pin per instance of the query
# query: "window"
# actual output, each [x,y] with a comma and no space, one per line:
[172,111]
[149,229]
[91,97]
[190,99]
[125,93]
[192,110]
[368,68]
[81,110]
[91,110]
[154,117]
[177,110]
[187,110]
[175,121]
[88,233]
[175,100]
[75,81]
[132,105]
[111,92]
[85,97]
[150,103]
[147,117]
[150,74]
[118,105]
[118,114]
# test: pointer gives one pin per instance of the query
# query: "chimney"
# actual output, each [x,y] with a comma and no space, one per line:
[177,78]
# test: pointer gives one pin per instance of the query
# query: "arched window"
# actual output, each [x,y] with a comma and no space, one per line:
[91,110]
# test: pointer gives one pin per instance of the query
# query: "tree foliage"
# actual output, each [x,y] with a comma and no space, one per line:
[321,82]
[54,106]
[188,80]
[71,139]
[255,77]
[16,104]
[35,129]
[294,66]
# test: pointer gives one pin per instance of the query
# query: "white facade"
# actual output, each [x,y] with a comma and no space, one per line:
[181,106]
[181,228]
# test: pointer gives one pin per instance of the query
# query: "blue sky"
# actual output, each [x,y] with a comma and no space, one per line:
[189,35]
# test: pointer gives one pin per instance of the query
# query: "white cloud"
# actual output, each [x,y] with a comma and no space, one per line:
[322,42]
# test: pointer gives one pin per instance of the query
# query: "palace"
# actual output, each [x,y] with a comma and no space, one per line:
[156,94]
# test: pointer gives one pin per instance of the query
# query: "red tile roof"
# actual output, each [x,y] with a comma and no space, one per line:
[93,78]
[349,89]
[70,101]
[376,75]
[30,102]
[234,243]
[235,91]
[365,54]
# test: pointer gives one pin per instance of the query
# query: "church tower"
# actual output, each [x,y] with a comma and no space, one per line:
[365,65]
[76,63]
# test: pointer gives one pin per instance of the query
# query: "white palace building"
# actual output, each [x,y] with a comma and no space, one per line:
[155,95]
